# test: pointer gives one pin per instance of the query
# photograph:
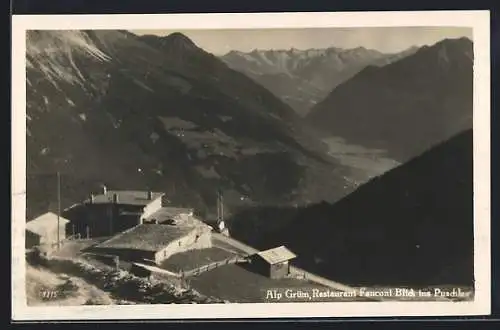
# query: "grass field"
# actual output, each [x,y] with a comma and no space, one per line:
[237,284]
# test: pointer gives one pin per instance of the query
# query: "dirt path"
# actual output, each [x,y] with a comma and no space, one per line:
[43,288]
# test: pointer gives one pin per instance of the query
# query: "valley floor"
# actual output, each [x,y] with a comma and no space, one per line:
[364,163]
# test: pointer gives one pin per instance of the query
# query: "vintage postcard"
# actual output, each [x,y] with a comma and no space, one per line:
[224,166]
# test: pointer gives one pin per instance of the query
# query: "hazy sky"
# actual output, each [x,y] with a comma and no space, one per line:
[384,39]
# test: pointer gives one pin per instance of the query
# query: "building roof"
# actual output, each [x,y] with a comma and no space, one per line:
[40,225]
[167,213]
[146,237]
[127,197]
[277,255]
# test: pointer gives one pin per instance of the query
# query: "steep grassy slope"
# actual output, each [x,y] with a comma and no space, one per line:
[109,107]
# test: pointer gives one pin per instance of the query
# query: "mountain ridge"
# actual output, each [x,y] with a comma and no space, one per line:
[302,78]
[408,105]
[188,130]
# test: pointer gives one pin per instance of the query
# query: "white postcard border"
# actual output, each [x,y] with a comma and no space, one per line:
[478,20]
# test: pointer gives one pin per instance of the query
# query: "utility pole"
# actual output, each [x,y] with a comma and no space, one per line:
[220,207]
[58,207]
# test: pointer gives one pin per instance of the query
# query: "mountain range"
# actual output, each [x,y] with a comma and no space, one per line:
[404,107]
[413,225]
[302,78]
[138,112]
[108,107]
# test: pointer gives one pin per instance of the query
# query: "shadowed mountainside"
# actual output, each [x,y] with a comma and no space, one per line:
[110,107]
[407,106]
[411,226]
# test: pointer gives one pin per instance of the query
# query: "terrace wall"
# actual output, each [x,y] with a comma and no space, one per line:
[125,254]
[195,240]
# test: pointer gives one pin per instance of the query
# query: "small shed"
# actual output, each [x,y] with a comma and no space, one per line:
[43,230]
[273,263]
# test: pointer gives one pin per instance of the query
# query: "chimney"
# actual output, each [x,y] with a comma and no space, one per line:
[150,195]
[115,198]
[92,198]
[104,190]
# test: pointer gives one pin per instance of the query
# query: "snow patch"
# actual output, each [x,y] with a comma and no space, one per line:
[250,58]
[154,137]
[143,85]
[208,172]
[115,122]
[264,58]
[176,123]
[83,116]
[225,118]
[52,53]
